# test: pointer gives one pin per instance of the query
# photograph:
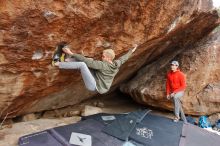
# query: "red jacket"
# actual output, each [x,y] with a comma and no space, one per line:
[175,82]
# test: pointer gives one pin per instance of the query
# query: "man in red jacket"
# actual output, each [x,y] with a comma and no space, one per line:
[175,87]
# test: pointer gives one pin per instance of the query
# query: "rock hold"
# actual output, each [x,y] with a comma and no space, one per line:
[90,110]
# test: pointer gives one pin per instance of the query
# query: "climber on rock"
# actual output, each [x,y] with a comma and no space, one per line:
[175,87]
[97,75]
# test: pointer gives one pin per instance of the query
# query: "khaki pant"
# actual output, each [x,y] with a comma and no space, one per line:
[178,110]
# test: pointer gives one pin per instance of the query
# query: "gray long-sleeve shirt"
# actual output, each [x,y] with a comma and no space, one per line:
[104,72]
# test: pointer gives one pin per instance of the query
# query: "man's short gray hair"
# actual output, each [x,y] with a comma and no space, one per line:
[110,53]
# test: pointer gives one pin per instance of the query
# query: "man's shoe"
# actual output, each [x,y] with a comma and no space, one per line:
[176,119]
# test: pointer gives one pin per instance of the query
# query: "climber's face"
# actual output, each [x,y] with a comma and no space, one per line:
[104,57]
[173,67]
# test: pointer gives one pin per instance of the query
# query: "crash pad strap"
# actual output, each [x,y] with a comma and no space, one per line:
[183,135]
[59,137]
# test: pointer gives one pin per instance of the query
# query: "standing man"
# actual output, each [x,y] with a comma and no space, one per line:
[175,87]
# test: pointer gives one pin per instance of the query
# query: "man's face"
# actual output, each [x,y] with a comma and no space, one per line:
[104,57]
[173,67]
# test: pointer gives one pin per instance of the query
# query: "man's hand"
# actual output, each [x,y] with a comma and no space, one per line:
[135,47]
[172,95]
[67,51]
[168,97]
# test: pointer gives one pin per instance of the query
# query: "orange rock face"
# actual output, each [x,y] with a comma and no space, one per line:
[30,30]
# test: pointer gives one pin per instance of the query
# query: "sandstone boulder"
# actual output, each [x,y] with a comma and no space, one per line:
[30,30]
[201,64]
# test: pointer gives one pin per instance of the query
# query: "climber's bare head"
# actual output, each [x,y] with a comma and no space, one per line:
[108,55]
